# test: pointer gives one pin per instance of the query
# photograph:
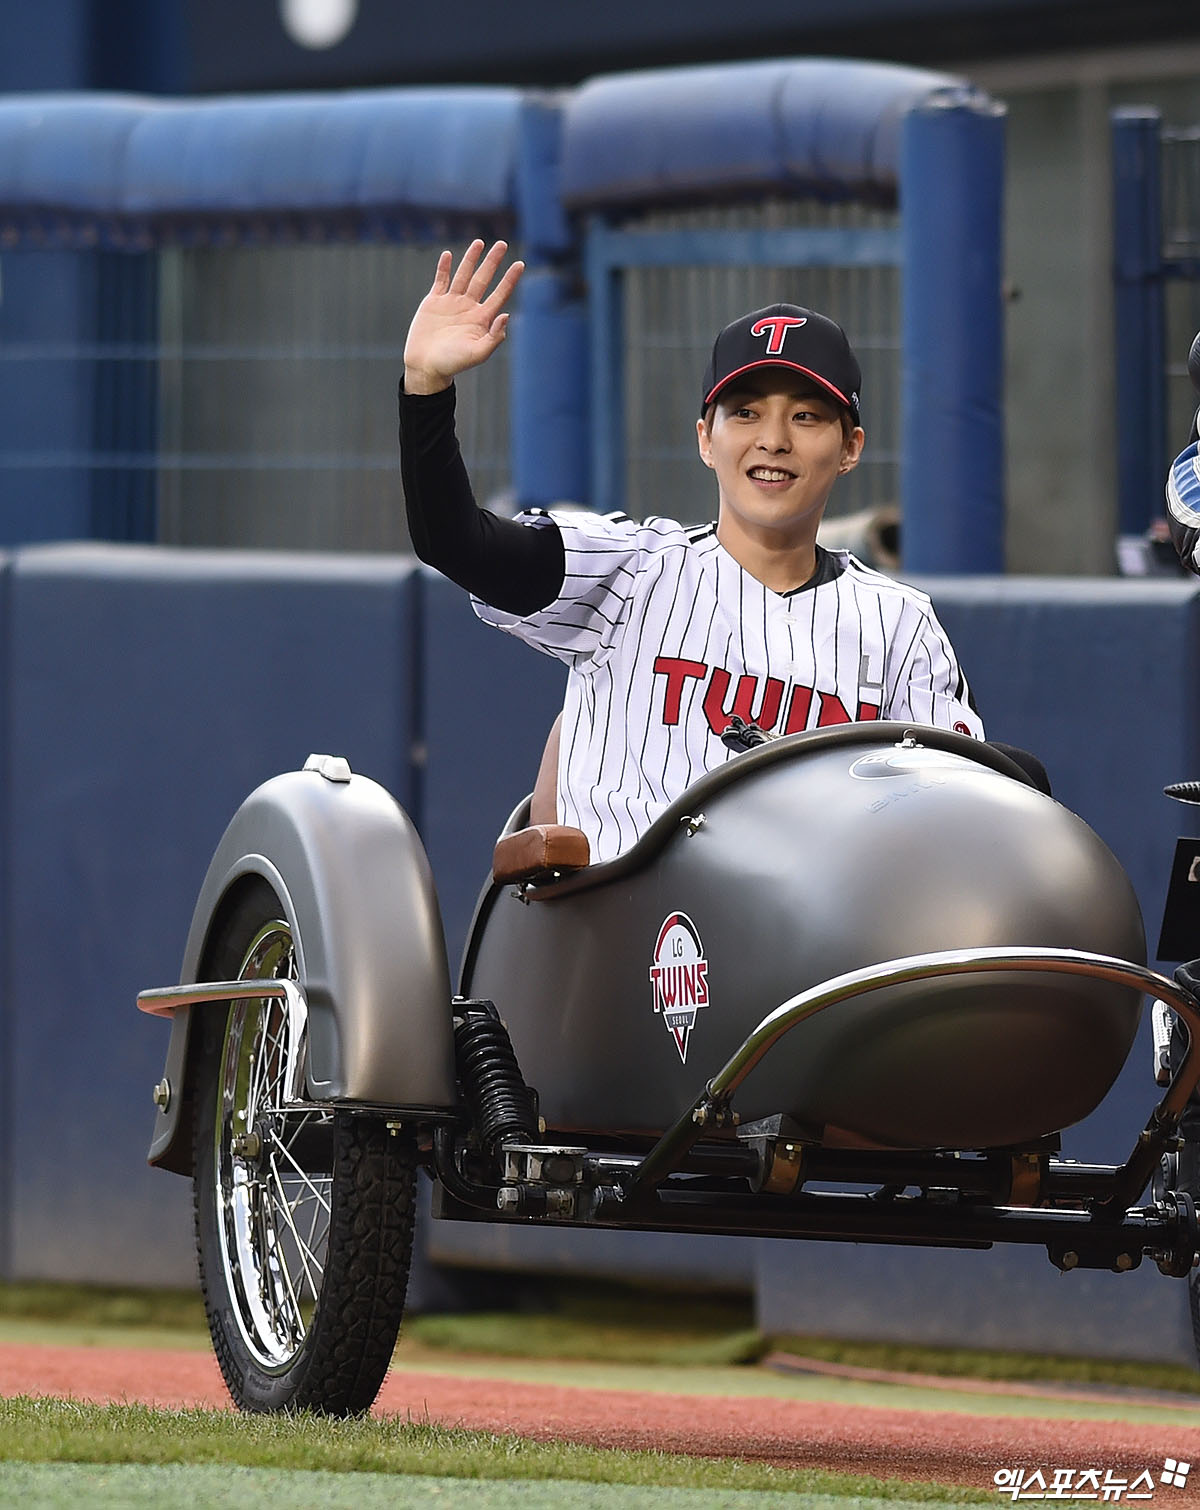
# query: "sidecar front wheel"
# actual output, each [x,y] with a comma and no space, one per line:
[304,1213]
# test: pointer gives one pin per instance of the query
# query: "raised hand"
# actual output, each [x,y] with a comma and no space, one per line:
[458,324]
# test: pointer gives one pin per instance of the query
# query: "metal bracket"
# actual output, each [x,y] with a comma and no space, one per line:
[332,767]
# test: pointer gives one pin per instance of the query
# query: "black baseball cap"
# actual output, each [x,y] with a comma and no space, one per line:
[784,335]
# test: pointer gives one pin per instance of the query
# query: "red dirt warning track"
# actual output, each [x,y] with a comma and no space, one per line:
[932,1445]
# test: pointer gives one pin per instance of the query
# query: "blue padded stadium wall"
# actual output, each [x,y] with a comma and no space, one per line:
[150,692]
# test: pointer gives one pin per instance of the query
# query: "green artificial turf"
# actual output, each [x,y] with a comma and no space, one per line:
[104,1486]
[55,1431]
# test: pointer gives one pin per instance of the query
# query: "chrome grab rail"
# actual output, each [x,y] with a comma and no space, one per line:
[711,1108]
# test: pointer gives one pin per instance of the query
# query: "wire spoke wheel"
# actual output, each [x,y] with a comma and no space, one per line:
[274,1208]
[304,1213]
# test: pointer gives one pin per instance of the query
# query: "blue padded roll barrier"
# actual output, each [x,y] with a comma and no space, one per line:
[67,150]
[952,375]
[451,150]
[709,131]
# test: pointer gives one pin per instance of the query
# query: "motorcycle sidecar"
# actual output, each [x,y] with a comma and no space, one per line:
[797,862]
[874,957]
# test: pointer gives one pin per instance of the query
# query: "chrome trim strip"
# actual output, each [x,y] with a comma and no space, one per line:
[164,1001]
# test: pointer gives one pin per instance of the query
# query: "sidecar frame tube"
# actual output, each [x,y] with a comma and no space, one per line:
[842,1216]
[712,1108]
[1166,1232]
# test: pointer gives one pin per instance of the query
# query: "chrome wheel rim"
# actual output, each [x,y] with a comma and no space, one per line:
[272,1165]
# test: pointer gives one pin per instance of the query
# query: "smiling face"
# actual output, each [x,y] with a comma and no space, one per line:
[777,447]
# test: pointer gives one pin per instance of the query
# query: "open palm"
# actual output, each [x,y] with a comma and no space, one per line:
[458,324]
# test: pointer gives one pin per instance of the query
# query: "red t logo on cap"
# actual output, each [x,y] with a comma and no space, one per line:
[776,327]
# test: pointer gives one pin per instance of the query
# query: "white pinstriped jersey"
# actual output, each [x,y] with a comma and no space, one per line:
[666,637]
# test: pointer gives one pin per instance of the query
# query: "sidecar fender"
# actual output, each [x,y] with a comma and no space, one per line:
[356,887]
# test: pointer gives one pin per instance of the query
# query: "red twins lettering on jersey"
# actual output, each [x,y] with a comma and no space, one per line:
[667,639]
[775,328]
[748,704]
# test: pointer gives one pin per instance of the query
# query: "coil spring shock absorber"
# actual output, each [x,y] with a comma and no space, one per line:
[502,1106]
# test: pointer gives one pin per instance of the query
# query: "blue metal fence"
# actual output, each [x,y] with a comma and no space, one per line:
[1156,267]
[660,292]
[203,308]
[78,433]
[232,395]
[276,371]
[206,301]
[873,192]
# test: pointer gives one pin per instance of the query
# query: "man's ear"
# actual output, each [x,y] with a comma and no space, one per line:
[852,448]
[704,441]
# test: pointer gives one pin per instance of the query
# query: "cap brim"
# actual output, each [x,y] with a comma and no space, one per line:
[792,367]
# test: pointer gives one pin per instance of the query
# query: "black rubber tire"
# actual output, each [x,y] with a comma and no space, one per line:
[369,1172]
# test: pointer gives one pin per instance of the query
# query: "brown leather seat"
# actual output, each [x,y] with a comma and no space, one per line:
[546,848]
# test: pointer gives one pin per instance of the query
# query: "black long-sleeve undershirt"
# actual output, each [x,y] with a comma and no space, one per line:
[510,566]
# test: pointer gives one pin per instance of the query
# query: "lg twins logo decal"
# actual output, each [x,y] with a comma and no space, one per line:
[775,328]
[679,976]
